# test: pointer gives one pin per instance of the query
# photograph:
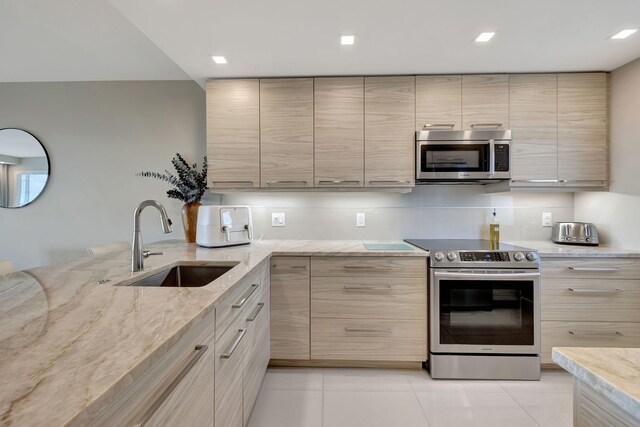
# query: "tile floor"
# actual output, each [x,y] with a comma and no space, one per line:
[306,397]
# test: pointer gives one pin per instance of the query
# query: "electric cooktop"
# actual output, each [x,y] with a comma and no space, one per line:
[461,245]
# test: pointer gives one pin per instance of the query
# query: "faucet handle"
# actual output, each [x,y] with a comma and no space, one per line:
[147,254]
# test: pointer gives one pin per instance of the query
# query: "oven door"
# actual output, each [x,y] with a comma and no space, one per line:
[454,159]
[486,311]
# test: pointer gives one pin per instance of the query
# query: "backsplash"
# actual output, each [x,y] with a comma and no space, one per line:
[427,212]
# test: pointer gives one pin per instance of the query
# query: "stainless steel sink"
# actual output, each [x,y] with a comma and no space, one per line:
[185,276]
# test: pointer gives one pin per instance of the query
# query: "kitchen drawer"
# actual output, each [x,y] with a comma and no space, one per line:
[369,267]
[591,268]
[242,295]
[176,390]
[364,297]
[290,308]
[369,339]
[591,300]
[587,334]
[230,353]
[258,354]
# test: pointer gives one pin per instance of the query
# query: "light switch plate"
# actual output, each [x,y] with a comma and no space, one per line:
[278,219]
[547,219]
[360,219]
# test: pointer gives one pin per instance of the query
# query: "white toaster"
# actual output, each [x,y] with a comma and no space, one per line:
[224,226]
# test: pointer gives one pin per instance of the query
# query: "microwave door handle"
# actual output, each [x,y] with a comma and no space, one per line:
[485,275]
[492,157]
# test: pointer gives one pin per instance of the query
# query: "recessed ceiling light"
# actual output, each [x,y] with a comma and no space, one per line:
[485,37]
[347,39]
[623,34]
[219,59]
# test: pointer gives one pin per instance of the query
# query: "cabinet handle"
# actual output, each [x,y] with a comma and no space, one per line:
[484,125]
[299,266]
[339,181]
[236,343]
[146,416]
[385,331]
[363,267]
[439,125]
[537,181]
[390,182]
[594,269]
[232,182]
[594,291]
[368,288]
[255,314]
[596,334]
[245,297]
[304,183]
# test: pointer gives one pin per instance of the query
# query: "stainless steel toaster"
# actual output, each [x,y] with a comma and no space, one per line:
[575,233]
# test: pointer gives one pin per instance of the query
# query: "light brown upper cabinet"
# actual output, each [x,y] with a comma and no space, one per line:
[389,119]
[286,132]
[233,133]
[582,127]
[339,131]
[485,101]
[534,125]
[439,102]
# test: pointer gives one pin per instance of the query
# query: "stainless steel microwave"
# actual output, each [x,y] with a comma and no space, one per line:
[463,156]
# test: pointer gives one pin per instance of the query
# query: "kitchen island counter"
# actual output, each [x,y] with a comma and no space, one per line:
[547,248]
[71,339]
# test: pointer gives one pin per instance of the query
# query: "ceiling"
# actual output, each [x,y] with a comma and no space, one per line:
[17,143]
[174,39]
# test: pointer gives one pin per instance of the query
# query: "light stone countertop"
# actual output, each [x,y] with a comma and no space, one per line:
[68,342]
[613,372]
[547,248]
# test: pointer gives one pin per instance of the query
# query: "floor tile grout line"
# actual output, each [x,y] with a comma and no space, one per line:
[519,404]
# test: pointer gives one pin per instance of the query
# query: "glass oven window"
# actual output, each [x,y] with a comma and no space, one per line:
[455,158]
[486,313]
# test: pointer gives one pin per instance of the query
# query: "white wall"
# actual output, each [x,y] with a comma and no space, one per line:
[98,134]
[428,212]
[617,213]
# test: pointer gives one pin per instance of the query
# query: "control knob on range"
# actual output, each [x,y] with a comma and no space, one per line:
[518,256]
[451,256]
[531,256]
[439,256]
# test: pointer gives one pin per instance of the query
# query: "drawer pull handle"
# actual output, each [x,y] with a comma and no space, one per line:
[146,416]
[594,291]
[255,314]
[596,334]
[390,182]
[367,267]
[299,266]
[338,181]
[300,182]
[245,297]
[367,288]
[384,331]
[593,269]
[236,343]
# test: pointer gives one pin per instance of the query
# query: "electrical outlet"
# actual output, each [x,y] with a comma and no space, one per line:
[277,219]
[547,219]
[360,219]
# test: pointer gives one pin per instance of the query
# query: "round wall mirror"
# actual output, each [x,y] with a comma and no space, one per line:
[24,168]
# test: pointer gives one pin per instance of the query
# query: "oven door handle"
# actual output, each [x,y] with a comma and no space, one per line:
[485,275]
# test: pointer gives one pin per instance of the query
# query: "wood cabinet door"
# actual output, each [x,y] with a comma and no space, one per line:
[290,311]
[389,121]
[582,127]
[439,102]
[233,133]
[485,101]
[339,131]
[286,132]
[534,124]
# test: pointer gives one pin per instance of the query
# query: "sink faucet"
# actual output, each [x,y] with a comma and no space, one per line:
[137,254]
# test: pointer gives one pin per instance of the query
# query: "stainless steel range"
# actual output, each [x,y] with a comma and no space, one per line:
[484,303]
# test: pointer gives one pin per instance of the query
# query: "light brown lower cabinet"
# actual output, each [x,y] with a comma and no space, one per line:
[177,390]
[589,302]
